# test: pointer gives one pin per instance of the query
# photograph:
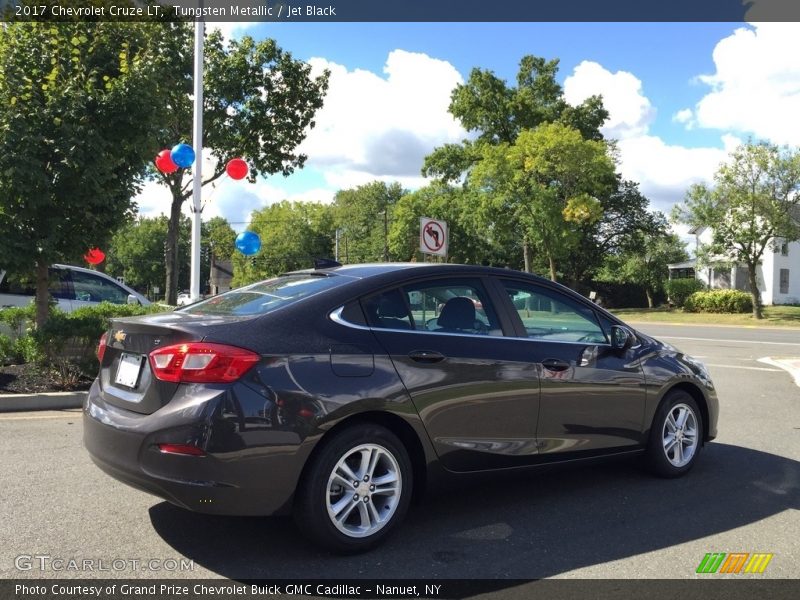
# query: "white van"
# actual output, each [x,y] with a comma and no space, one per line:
[71,287]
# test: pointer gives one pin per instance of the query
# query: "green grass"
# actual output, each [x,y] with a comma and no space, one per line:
[774,316]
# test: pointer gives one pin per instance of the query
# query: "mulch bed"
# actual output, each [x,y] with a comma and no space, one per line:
[33,379]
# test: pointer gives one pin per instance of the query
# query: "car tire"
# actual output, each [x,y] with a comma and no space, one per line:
[357,514]
[676,435]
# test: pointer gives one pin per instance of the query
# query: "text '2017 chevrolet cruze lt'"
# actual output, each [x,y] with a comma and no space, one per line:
[336,393]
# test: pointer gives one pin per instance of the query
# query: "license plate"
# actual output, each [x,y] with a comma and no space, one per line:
[130,365]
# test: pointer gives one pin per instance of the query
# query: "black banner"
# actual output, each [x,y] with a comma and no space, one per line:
[288,11]
[708,588]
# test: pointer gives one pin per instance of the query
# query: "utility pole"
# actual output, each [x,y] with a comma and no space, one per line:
[197,179]
[386,234]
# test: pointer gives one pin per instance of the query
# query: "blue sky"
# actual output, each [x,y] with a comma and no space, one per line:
[681,95]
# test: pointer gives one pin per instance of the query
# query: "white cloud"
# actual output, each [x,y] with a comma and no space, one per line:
[381,127]
[230,29]
[666,171]
[630,111]
[685,116]
[756,86]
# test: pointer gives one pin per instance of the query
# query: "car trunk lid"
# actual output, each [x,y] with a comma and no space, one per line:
[126,377]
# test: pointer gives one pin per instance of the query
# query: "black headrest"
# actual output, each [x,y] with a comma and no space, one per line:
[458,313]
[392,305]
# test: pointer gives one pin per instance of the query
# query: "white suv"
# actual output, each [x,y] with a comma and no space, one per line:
[71,287]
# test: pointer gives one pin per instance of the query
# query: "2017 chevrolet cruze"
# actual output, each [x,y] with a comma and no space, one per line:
[338,393]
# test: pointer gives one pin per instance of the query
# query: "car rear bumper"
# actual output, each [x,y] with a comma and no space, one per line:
[233,478]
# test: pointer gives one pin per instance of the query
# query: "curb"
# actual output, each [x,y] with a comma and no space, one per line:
[721,325]
[42,401]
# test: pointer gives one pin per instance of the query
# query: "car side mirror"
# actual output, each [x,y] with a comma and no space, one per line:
[621,337]
[132,299]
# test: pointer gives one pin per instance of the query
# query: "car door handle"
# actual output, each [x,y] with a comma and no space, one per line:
[426,356]
[555,364]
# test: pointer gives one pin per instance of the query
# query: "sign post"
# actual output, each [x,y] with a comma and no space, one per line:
[432,236]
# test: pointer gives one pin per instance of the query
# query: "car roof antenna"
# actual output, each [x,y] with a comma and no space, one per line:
[326,263]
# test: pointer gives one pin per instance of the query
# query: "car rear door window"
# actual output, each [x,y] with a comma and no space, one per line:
[549,315]
[91,288]
[459,306]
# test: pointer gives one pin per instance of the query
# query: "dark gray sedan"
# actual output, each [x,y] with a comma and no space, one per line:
[338,394]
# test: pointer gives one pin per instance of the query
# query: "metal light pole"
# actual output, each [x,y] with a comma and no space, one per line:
[199,33]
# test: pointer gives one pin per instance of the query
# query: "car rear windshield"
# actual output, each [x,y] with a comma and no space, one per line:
[266,296]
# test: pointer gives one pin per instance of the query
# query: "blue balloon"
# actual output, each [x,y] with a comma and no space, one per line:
[182,155]
[248,243]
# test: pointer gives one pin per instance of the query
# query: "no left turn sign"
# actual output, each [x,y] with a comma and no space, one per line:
[433,236]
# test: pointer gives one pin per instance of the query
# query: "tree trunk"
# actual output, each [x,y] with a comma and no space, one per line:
[649,297]
[751,272]
[171,252]
[42,292]
[526,255]
[552,268]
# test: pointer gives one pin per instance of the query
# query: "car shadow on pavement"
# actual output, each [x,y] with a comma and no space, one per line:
[527,527]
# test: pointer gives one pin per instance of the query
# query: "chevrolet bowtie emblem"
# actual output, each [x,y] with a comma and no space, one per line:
[120,336]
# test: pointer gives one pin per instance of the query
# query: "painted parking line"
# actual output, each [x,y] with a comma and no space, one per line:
[674,337]
[741,367]
[790,365]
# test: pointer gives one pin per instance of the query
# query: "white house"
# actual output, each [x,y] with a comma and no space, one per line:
[778,275]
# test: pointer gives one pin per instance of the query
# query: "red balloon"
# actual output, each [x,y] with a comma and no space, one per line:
[236,168]
[94,256]
[164,162]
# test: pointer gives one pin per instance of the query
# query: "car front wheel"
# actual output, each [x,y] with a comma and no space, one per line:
[356,490]
[676,436]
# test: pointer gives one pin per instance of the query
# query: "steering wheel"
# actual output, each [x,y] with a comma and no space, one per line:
[480,326]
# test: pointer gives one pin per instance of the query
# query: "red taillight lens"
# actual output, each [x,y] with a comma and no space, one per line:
[201,362]
[185,449]
[101,346]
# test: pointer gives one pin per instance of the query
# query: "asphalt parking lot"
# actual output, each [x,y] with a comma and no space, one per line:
[609,521]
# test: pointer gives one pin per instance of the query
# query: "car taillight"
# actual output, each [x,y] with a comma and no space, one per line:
[101,347]
[201,362]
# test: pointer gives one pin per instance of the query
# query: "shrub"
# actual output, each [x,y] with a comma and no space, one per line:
[27,349]
[678,290]
[67,340]
[720,301]
[8,351]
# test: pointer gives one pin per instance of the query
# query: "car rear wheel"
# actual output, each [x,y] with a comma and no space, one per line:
[356,490]
[676,436]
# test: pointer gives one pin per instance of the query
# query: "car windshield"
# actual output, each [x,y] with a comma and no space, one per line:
[266,296]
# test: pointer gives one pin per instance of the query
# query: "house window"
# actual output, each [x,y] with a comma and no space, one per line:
[784,281]
[785,249]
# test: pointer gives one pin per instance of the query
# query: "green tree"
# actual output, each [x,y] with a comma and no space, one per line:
[544,186]
[626,219]
[497,113]
[646,265]
[292,235]
[363,215]
[258,104]
[136,252]
[137,249]
[219,237]
[752,206]
[76,130]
